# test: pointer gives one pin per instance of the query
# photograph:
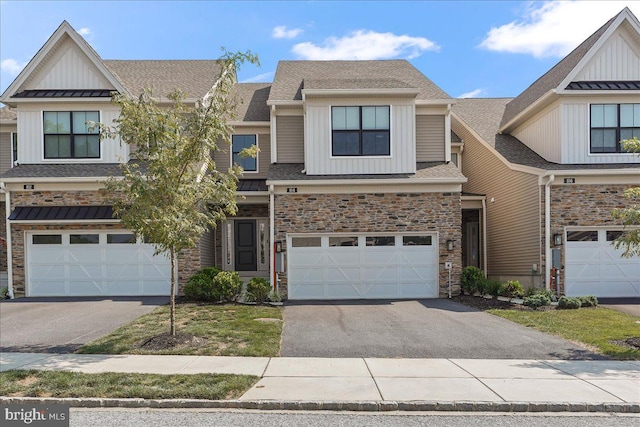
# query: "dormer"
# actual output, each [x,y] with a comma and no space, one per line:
[356,117]
[579,111]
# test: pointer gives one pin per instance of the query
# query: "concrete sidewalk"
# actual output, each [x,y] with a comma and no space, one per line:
[559,383]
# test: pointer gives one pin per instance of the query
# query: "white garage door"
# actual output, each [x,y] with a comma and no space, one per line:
[594,267]
[362,266]
[100,263]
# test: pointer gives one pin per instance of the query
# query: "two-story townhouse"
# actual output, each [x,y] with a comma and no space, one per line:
[61,236]
[366,201]
[551,166]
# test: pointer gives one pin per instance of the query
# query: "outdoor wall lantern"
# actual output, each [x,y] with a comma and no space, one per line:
[557,239]
[449,245]
[278,247]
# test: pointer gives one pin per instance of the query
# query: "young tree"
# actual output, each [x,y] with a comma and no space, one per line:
[172,194]
[630,239]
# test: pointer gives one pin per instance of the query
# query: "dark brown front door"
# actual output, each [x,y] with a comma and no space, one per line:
[245,245]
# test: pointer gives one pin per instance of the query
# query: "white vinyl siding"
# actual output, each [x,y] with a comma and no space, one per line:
[543,134]
[618,59]
[575,135]
[319,160]
[67,67]
[430,139]
[290,139]
[30,129]
[513,208]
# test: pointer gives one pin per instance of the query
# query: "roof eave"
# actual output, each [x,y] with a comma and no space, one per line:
[356,181]
[532,109]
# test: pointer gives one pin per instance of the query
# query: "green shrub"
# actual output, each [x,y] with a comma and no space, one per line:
[588,301]
[493,287]
[472,280]
[569,303]
[537,300]
[274,296]
[200,284]
[4,293]
[531,291]
[513,289]
[227,286]
[258,290]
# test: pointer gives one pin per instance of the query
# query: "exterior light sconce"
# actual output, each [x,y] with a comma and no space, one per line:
[557,239]
[449,245]
[278,247]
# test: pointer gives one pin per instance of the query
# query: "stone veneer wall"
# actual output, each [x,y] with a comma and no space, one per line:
[3,234]
[188,260]
[582,205]
[368,213]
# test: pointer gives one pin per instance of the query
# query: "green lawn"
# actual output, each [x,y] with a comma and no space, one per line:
[228,330]
[111,385]
[595,327]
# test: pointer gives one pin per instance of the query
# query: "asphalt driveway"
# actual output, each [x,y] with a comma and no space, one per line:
[61,325]
[436,328]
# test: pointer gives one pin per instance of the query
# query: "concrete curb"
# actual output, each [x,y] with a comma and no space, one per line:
[364,406]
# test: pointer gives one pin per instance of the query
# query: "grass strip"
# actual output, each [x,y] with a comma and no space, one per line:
[34,383]
[595,327]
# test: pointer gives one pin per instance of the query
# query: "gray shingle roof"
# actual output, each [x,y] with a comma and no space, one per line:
[7,113]
[290,75]
[552,78]
[484,115]
[252,102]
[339,83]
[75,170]
[426,170]
[194,77]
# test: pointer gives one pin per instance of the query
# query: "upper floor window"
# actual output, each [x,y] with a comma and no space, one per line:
[611,123]
[14,148]
[67,135]
[240,142]
[360,131]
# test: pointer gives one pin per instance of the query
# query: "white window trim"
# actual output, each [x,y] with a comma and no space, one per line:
[257,154]
[391,144]
[72,159]
[596,155]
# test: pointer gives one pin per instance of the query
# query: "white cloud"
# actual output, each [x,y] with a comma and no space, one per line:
[473,94]
[266,77]
[365,44]
[281,32]
[552,28]
[84,31]
[11,66]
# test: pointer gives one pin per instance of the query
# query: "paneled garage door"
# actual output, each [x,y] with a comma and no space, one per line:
[100,263]
[362,266]
[594,267]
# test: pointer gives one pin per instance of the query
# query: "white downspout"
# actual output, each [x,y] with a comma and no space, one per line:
[484,235]
[547,231]
[272,255]
[7,203]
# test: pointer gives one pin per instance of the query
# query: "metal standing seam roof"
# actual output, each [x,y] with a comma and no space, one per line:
[64,93]
[604,85]
[252,185]
[290,76]
[61,213]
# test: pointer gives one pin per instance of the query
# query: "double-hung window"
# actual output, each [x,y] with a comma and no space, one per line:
[239,143]
[67,135]
[611,123]
[360,131]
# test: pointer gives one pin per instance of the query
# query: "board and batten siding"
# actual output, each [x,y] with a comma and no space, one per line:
[222,157]
[31,142]
[5,151]
[616,60]
[67,67]
[430,138]
[513,208]
[576,133]
[543,134]
[319,160]
[290,139]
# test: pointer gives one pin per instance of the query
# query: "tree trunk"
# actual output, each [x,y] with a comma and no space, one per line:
[173,293]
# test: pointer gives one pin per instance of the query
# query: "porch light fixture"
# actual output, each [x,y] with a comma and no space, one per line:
[557,239]
[449,245]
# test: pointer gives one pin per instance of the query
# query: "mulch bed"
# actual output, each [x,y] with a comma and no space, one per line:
[166,341]
[483,304]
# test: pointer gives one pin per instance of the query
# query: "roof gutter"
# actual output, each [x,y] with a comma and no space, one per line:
[393,181]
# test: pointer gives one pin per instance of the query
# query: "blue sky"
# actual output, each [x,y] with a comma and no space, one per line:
[469,48]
